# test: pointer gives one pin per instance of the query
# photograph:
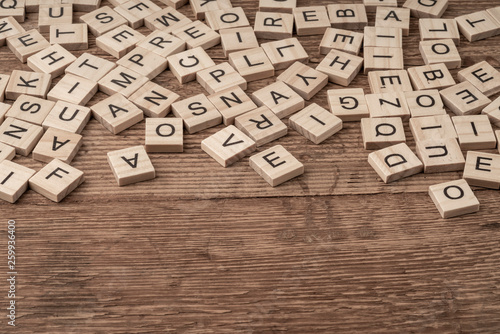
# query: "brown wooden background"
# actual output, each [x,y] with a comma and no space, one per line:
[206,249]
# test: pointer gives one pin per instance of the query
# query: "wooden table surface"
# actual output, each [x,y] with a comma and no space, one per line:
[206,249]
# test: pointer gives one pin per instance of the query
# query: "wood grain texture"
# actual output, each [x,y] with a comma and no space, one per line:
[206,249]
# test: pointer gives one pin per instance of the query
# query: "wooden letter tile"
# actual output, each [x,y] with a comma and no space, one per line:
[284,53]
[67,116]
[71,36]
[273,25]
[143,61]
[483,76]
[29,83]
[382,58]
[383,37]
[166,20]
[21,135]
[154,100]
[27,44]
[276,165]
[134,11]
[348,104]
[338,39]
[395,162]
[200,7]
[393,17]
[231,103]
[262,125]
[186,64]
[73,89]
[493,112]
[304,80]
[382,132]
[280,98]
[495,13]
[83,5]
[440,51]
[347,16]
[164,135]
[372,5]
[432,29]
[119,41]
[388,105]
[237,39]
[162,43]
[220,77]
[228,145]
[426,8]
[131,165]
[454,198]
[4,81]
[57,144]
[30,109]
[474,132]
[431,128]
[102,20]
[389,81]
[53,60]
[197,112]
[425,103]
[478,25]
[482,169]
[9,27]
[175,3]
[14,9]
[252,64]
[464,99]
[197,34]
[116,113]
[122,80]
[13,180]
[315,123]
[49,15]
[433,76]
[227,18]
[90,67]
[7,152]
[279,6]
[440,155]
[312,20]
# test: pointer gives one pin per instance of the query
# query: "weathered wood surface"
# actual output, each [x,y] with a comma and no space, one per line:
[203,249]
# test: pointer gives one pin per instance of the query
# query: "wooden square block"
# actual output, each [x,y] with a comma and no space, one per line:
[338,39]
[276,165]
[200,7]
[383,37]
[382,132]
[29,83]
[493,112]
[30,109]
[440,155]
[53,60]
[389,81]
[186,64]
[464,99]
[67,116]
[154,100]
[440,51]
[9,27]
[227,18]
[27,44]
[57,144]
[4,81]
[134,11]
[164,135]
[122,80]
[71,36]
[395,162]
[21,135]
[7,152]
[197,34]
[495,13]
[284,53]
[116,3]
[197,112]
[315,123]
[175,3]
[483,76]
[372,5]
[304,80]
[478,25]
[432,29]
[14,9]
[432,128]
[433,76]
[237,39]
[312,20]
[102,20]
[431,8]
[118,42]
[482,169]
[220,77]
[83,5]
[131,165]
[167,20]
[252,64]
[56,180]
[347,16]
[393,17]
[278,6]
[90,67]
[140,60]
[4,108]
[116,113]
[348,104]
[425,103]
[162,43]
[279,98]
[382,58]
[273,25]
[73,89]
[13,180]
[454,198]
[231,103]
[262,125]
[388,105]
[228,145]
[53,14]
[474,132]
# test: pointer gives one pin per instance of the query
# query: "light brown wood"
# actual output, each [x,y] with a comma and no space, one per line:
[53,60]
[493,112]
[154,100]
[315,123]
[197,112]
[252,64]
[67,116]
[145,62]
[116,113]
[388,105]
[262,125]
[433,76]
[280,98]
[14,180]
[474,132]
[395,162]
[175,3]
[237,39]
[454,198]
[393,17]
[53,14]
[464,99]
[29,83]
[7,152]
[432,127]
[122,80]
[162,43]
[197,34]
[220,77]
[119,41]
[382,132]
[19,134]
[102,20]
[382,58]
[135,11]
[483,76]
[82,5]
[383,37]
[347,16]
[200,7]
[425,103]
[57,144]
[478,25]
[9,27]
[131,165]
[440,51]
[372,5]
[433,9]
[164,135]
[432,29]
[348,104]
[232,103]
[4,81]
[73,89]
[15,9]
[440,155]
[304,80]
[389,81]
[167,20]
[26,44]
[339,39]
[90,67]
[273,25]
[285,52]
[279,6]
[311,20]
[184,65]
[481,169]
[227,18]
[30,109]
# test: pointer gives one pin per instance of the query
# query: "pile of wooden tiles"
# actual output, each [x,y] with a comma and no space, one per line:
[48,122]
